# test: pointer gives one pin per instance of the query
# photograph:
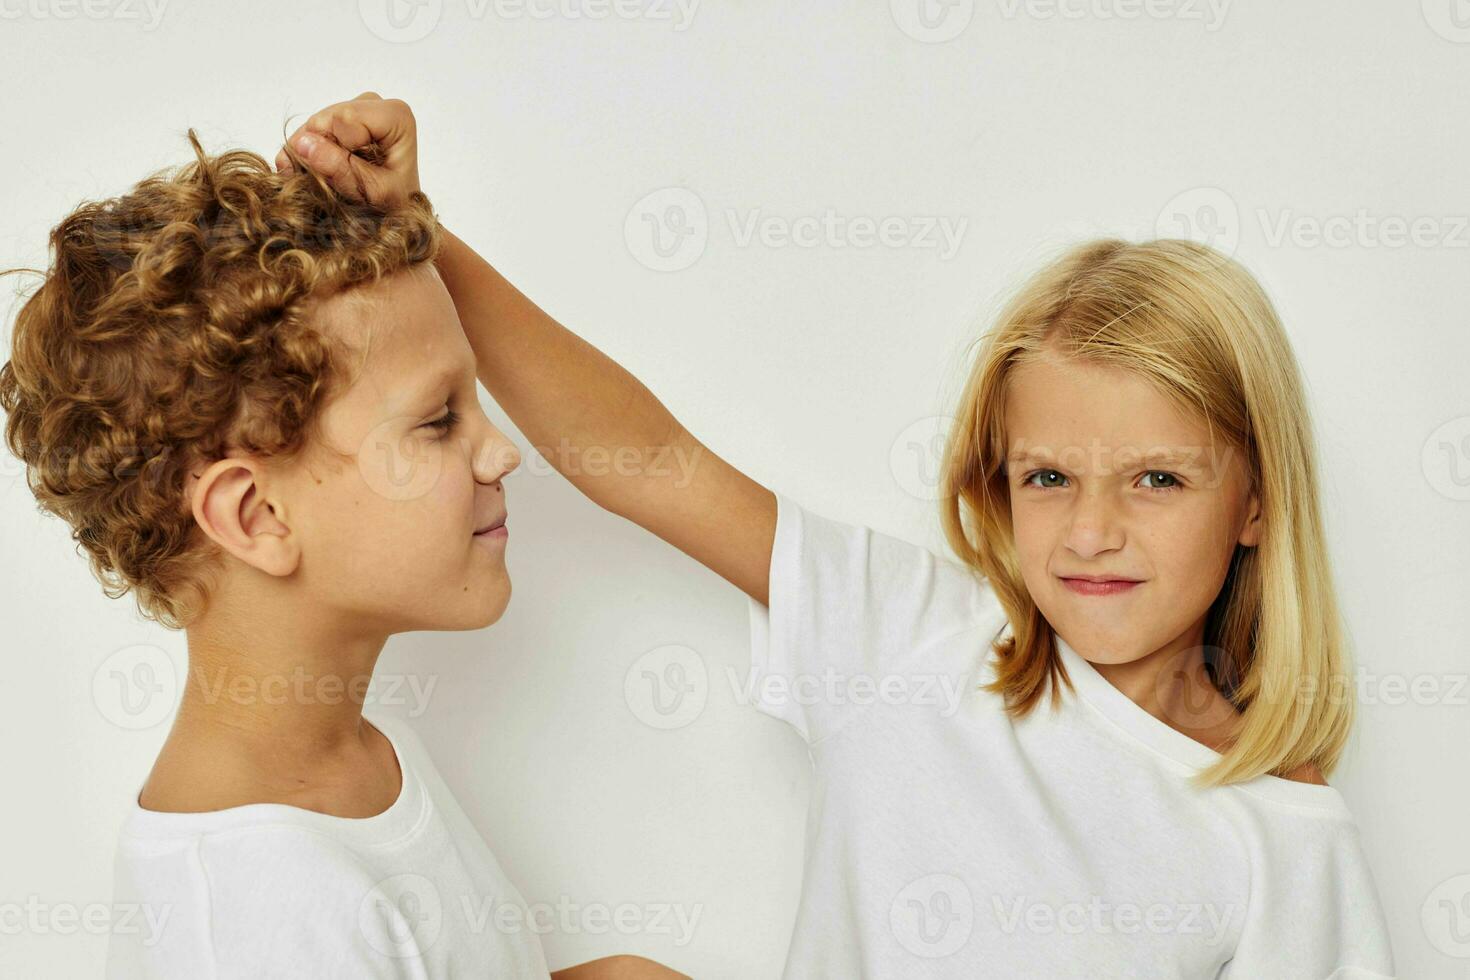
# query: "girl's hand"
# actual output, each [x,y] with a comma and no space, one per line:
[367,149]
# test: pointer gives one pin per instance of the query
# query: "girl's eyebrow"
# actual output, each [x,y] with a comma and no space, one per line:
[1157,457]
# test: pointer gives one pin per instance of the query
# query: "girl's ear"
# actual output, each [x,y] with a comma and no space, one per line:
[1250,532]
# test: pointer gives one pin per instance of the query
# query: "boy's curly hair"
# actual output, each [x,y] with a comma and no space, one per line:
[173,325]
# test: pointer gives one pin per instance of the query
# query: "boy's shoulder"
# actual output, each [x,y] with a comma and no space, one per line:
[203,851]
[209,775]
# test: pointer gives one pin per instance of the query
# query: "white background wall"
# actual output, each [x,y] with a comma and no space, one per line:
[812,367]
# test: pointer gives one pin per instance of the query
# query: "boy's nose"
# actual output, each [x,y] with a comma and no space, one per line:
[497,457]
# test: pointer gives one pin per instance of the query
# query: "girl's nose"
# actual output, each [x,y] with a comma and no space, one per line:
[1094,526]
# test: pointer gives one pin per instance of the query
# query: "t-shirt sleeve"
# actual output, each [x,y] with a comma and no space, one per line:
[857,617]
[1313,912]
[259,904]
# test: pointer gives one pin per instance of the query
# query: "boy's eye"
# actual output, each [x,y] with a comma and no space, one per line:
[443,423]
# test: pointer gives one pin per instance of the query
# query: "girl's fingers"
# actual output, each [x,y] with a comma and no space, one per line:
[341,135]
[350,175]
[360,122]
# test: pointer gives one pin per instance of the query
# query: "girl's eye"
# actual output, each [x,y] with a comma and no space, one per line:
[444,423]
[1036,473]
[1150,473]
[1166,474]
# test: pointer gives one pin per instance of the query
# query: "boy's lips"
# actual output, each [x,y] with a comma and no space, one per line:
[494,525]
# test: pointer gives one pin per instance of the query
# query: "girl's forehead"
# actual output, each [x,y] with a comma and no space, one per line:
[1050,370]
[1093,418]
[1114,407]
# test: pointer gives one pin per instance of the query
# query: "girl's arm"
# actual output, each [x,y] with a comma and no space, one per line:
[607,433]
[591,419]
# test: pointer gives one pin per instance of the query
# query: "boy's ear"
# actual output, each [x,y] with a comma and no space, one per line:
[229,507]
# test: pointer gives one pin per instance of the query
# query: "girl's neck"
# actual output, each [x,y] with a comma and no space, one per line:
[1174,685]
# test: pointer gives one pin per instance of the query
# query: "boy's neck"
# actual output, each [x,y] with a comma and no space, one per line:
[271,712]
[279,685]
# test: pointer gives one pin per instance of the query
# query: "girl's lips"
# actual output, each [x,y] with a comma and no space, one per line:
[496,533]
[1083,587]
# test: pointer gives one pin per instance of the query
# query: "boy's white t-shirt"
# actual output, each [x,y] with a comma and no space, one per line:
[270,890]
[945,840]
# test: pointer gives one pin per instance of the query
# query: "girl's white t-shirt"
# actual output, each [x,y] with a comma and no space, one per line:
[945,840]
[270,890]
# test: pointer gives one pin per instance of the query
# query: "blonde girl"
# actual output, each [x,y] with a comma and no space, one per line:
[1132,498]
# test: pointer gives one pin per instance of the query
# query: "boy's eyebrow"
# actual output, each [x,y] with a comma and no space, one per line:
[432,383]
[443,376]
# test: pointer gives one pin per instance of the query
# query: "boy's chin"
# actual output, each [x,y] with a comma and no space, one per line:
[470,612]
[494,607]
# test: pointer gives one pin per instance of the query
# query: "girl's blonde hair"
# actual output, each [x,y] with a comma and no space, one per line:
[1196,324]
